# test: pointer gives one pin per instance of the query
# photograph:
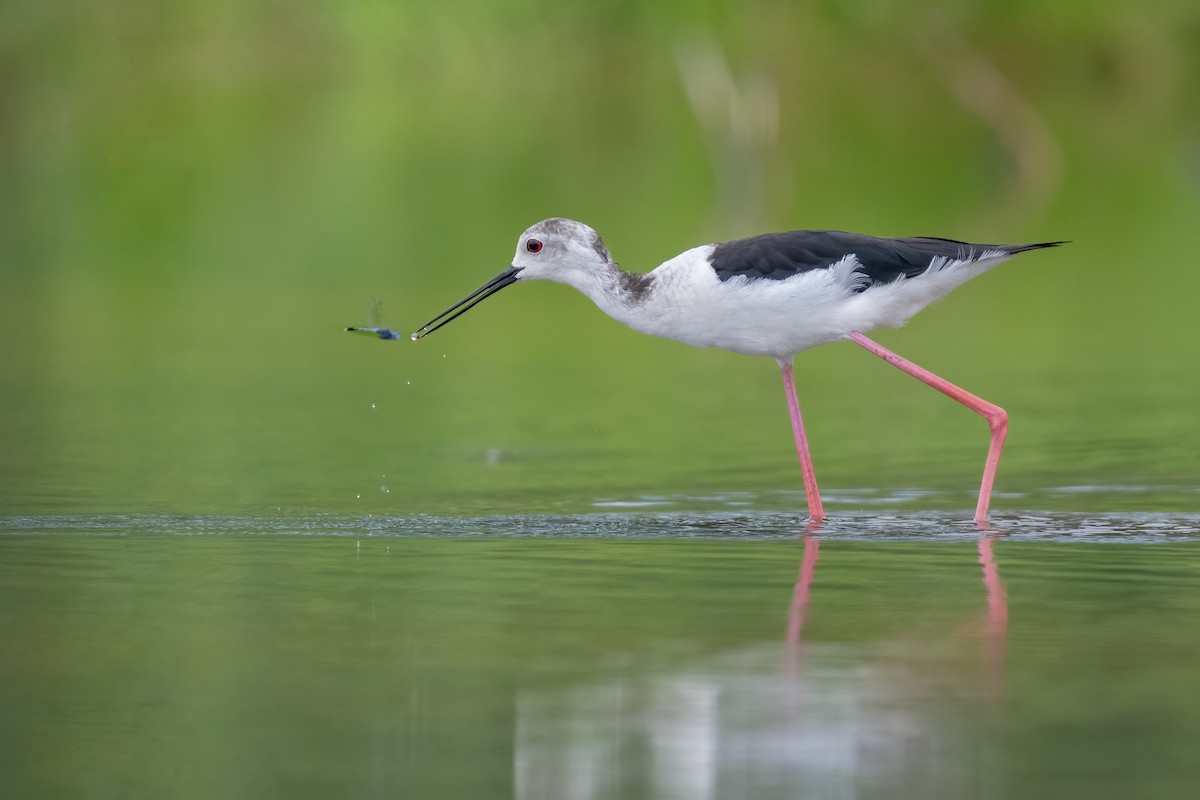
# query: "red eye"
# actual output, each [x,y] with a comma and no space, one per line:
[533,246]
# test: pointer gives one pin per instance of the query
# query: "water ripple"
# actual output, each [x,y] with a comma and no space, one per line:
[1143,527]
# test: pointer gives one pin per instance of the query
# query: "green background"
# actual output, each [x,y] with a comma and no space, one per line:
[198,196]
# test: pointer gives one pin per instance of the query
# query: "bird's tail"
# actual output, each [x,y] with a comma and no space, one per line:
[1013,249]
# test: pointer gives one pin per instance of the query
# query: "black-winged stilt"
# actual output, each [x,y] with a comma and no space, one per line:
[773,295]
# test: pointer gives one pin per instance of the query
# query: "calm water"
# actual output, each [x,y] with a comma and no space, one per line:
[615,655]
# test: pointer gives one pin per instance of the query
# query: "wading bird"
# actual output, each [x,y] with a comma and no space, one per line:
[772,295]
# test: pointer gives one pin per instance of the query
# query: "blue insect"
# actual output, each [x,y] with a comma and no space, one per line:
[373,322]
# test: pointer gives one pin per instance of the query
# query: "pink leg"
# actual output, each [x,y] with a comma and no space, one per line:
[997,418]
[815,511]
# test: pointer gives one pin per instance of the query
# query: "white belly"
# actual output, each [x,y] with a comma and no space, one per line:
[779,318]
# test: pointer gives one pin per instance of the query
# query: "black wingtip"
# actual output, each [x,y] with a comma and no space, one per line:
[1023,248]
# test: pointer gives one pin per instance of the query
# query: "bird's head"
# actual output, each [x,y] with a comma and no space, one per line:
[560,250]
[555,249]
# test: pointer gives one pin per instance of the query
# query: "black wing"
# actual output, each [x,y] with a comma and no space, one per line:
[776,256]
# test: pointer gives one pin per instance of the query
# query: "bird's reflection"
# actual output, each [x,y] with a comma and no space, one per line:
[798,611]
[995,627]
[835,719]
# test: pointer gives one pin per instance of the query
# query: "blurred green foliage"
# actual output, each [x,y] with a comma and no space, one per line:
[194,198]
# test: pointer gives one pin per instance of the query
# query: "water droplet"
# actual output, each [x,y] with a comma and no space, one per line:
[372,405]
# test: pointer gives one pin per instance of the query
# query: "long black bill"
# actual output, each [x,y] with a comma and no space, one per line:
[509,276]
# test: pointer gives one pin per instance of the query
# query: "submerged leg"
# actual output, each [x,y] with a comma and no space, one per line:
[997,418]
[815,511]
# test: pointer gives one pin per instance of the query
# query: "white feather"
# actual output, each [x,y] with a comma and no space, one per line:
[779,318]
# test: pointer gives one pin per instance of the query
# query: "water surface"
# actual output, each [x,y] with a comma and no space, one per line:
[634,654]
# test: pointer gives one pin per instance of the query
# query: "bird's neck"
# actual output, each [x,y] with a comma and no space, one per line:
[618,293]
